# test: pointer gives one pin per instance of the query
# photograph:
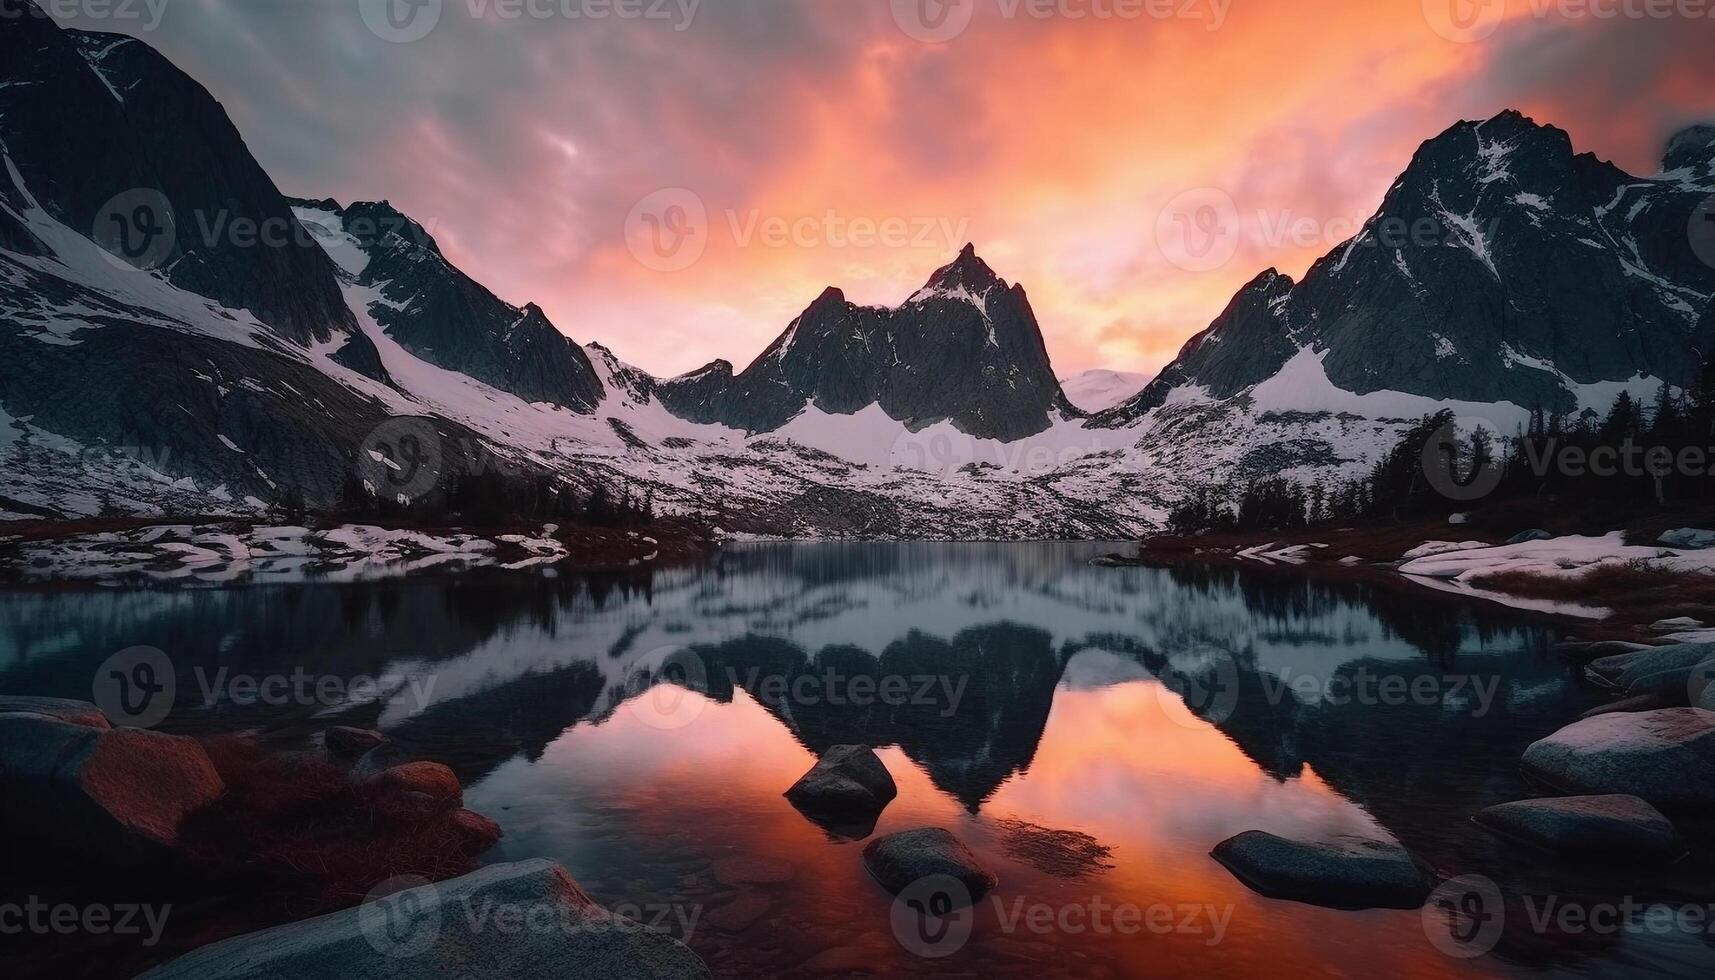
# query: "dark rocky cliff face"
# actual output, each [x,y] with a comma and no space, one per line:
[88,117]
[445,317]
[1501,266]
[965,348]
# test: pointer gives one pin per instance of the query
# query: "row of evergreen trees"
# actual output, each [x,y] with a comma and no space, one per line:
[488,499]
[1631,460]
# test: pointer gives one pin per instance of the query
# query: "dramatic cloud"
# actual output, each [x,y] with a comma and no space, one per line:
[829,145]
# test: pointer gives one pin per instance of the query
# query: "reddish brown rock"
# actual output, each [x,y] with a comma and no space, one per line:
[429,778]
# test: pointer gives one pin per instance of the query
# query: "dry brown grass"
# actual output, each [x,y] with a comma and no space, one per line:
[293,827]
[1636,591]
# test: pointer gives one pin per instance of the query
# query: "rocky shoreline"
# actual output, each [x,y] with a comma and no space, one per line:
[352,857]
[1632,782]
[281,863]
[223,552]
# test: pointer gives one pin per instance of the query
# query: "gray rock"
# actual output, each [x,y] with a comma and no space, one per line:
[1622,671]
[1343,872]
[1675,625]
[1690,538]
[1604,828]
[1646,702]
[1666,757]
[430,779]
[900,860]
[846,780]
[1534,534]
[349,743]
[60,709]
[444,930]
[1587,653]
[118,795]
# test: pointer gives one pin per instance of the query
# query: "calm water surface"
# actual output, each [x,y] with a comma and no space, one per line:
[642,729]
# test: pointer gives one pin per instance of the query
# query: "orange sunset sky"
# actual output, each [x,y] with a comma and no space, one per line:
[1051,134]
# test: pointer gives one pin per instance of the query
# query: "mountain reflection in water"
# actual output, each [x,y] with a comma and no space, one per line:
[641,729]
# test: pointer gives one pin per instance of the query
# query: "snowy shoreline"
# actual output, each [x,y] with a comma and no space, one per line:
[225,553]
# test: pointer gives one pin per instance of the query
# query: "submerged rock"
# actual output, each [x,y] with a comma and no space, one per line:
[1587,653]
[1675,625]
[900,860]
[349,743]
[103,794]
[60,709]
[1666,757]
[441,931]
[1342,872]
[1603,828]
[847,781]
[1622,671]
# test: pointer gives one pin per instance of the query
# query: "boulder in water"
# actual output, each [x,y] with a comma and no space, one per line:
[900,860]
[116,795]
[1342,872]
[1666,757]
[1600,828]
[848,781]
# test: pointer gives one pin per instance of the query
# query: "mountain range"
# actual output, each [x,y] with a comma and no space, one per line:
[177,335]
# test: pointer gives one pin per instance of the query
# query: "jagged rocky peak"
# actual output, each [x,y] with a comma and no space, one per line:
[1692,148]
[379,223]
[617,376]
[957,350]
[440,315]
[967,272]
[1501,267]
